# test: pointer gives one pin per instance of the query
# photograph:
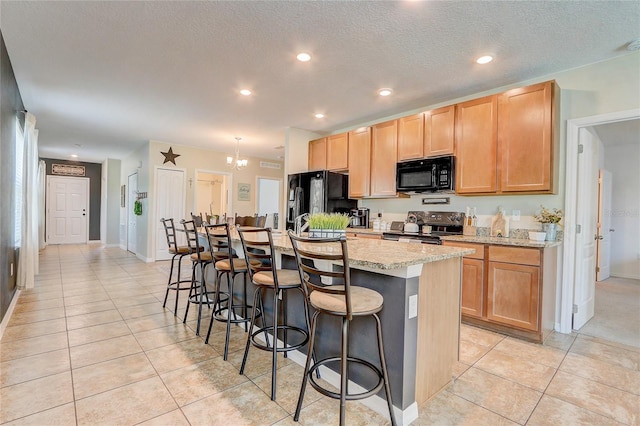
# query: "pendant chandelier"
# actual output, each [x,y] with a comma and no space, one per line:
[235,162]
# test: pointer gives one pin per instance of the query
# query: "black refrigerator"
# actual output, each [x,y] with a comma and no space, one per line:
[316,192]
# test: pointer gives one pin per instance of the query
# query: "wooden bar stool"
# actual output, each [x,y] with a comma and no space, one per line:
[200,257]
[219,238]
[257,244]
[325,274]
[178,252]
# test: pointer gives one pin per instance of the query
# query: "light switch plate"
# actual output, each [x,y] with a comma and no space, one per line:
[515,216]
[413,306]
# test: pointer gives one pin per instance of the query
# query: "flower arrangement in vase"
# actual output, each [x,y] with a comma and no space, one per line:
[327,225]
[549,218]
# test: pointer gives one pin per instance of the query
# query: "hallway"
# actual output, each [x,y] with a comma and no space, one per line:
[91,344]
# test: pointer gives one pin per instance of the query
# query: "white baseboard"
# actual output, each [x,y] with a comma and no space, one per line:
[7,315]
[628,276]
[144,259]
[112,245]
[94,242]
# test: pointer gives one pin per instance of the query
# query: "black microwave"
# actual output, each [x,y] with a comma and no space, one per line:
[427,175]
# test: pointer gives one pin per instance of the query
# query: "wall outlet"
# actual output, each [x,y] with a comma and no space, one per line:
[413,306]
[515,216]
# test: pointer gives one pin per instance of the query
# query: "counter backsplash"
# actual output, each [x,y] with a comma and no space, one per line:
[514,233]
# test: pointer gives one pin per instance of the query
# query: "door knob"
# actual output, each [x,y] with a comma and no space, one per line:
[599,237]
[611,230]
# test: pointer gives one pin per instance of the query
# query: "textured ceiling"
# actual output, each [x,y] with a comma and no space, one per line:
[110,75]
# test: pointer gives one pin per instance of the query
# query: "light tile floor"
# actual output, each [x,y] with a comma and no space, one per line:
[91,344]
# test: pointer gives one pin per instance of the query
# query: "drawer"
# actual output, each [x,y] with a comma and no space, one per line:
[519,255]
[479,248]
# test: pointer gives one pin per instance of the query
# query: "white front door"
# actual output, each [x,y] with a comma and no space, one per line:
[605,187]
[132,192]
[170,203]
[585,281]
[67,210]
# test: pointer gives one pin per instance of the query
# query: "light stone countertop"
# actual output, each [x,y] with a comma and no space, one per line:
[363,231]
[379,254]
[519,242]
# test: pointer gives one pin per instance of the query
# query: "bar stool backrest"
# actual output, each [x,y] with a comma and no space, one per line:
[323,264]
[219,239]
[170,231]
[246,220]
[191,232]
[257,244]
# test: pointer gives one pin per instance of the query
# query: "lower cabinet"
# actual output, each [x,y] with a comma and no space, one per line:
[509,289]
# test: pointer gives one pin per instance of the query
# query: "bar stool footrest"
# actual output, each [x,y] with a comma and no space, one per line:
[258,344]
[350,396]
[217,314]
[175,285]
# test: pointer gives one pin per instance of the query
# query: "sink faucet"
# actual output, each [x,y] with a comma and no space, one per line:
[299,227]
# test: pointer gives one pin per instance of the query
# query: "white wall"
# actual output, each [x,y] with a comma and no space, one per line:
[138,162]
[110,206]
[622,162]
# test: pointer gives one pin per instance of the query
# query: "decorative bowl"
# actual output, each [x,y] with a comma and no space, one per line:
[537,236]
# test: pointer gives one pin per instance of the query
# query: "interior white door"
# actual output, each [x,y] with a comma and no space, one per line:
[67,210]
[584,288]
[605,188]
[170,203]
[132,233]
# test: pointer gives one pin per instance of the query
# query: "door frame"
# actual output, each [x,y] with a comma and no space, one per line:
[48,198]
[129,210]
[151,228]
[571,208]
[280,195]
[228,189]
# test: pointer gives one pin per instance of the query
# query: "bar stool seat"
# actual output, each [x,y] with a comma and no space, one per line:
[287,278]
[239,265]
[364,301]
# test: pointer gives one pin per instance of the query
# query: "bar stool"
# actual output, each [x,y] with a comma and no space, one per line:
[257,244]
[219,238]
[338,299]
[177,252]
[199,257]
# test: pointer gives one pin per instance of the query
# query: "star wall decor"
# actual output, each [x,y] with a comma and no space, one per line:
[169,156]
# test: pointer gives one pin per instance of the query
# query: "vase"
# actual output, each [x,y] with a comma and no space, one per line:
[550,229]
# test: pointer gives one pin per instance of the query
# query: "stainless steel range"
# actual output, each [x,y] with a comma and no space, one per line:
[428,227]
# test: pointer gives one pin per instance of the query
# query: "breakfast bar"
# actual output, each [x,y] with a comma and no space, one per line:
[420,284]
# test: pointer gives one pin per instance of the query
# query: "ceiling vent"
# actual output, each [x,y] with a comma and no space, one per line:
[269,165]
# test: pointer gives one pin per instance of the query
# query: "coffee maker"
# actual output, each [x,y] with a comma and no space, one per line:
[359,218]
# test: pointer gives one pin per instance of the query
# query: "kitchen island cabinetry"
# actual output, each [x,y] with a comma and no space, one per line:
[439,131]
[509,289]
[384,152]
[360,162]
[318,154]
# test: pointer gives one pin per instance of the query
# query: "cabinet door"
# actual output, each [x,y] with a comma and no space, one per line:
[476,139]
[411,137]
[384,149]
[472,287]
[525,138]
[513,293]
[439,130]
[337,152]
[359,162]
[318,154]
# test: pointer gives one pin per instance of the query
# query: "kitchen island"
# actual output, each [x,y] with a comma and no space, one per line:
[420,284]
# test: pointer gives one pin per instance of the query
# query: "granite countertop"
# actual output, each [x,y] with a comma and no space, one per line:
[363,231]
[380,254]
[519,242]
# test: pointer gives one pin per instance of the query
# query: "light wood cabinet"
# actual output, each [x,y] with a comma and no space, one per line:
[525,137]
[476,143]
[384,148]
[473,286]
[411,137]
[359,162]
[509,289]
[318,154]
[338,152]
[439,131]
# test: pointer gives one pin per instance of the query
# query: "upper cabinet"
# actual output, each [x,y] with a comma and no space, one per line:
[318,154]
[525,135]
[439,131]
[360,162]
[411,137]
[338,152]
[476,144]
[384,148]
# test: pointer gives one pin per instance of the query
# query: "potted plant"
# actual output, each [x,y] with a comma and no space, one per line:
[549,218]
[327,225]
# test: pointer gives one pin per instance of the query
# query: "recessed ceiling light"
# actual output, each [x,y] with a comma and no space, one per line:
[319,115]
[484,59]
[303,57]
[74,155]
[245,92]
[384,92]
